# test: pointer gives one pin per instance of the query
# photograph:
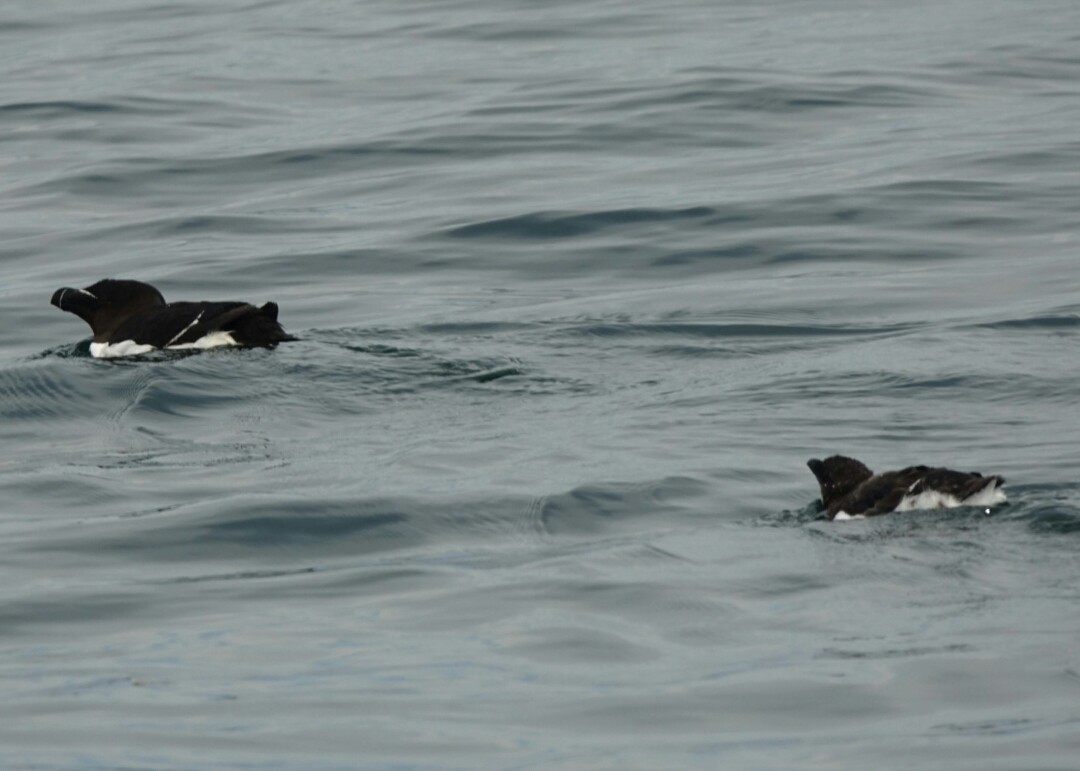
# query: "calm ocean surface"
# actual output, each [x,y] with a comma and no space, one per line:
[580,287]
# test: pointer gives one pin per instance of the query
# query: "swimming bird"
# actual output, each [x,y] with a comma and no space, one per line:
[849,490]
[131,317]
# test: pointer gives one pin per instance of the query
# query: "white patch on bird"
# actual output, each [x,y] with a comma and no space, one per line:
[116,350]
[987,496]
[131,348]
[933,499]
[843,516]
[927,499]
[88,294]
[212,340]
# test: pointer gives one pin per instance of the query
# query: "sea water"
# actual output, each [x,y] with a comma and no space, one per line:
[579,288]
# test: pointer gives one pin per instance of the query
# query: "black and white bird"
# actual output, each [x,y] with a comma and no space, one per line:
[130,317]
[849,490]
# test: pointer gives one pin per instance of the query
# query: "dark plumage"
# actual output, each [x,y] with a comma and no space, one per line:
[122,312]
[850,488]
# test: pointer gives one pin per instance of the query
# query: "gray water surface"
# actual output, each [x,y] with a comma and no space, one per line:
[579,289]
